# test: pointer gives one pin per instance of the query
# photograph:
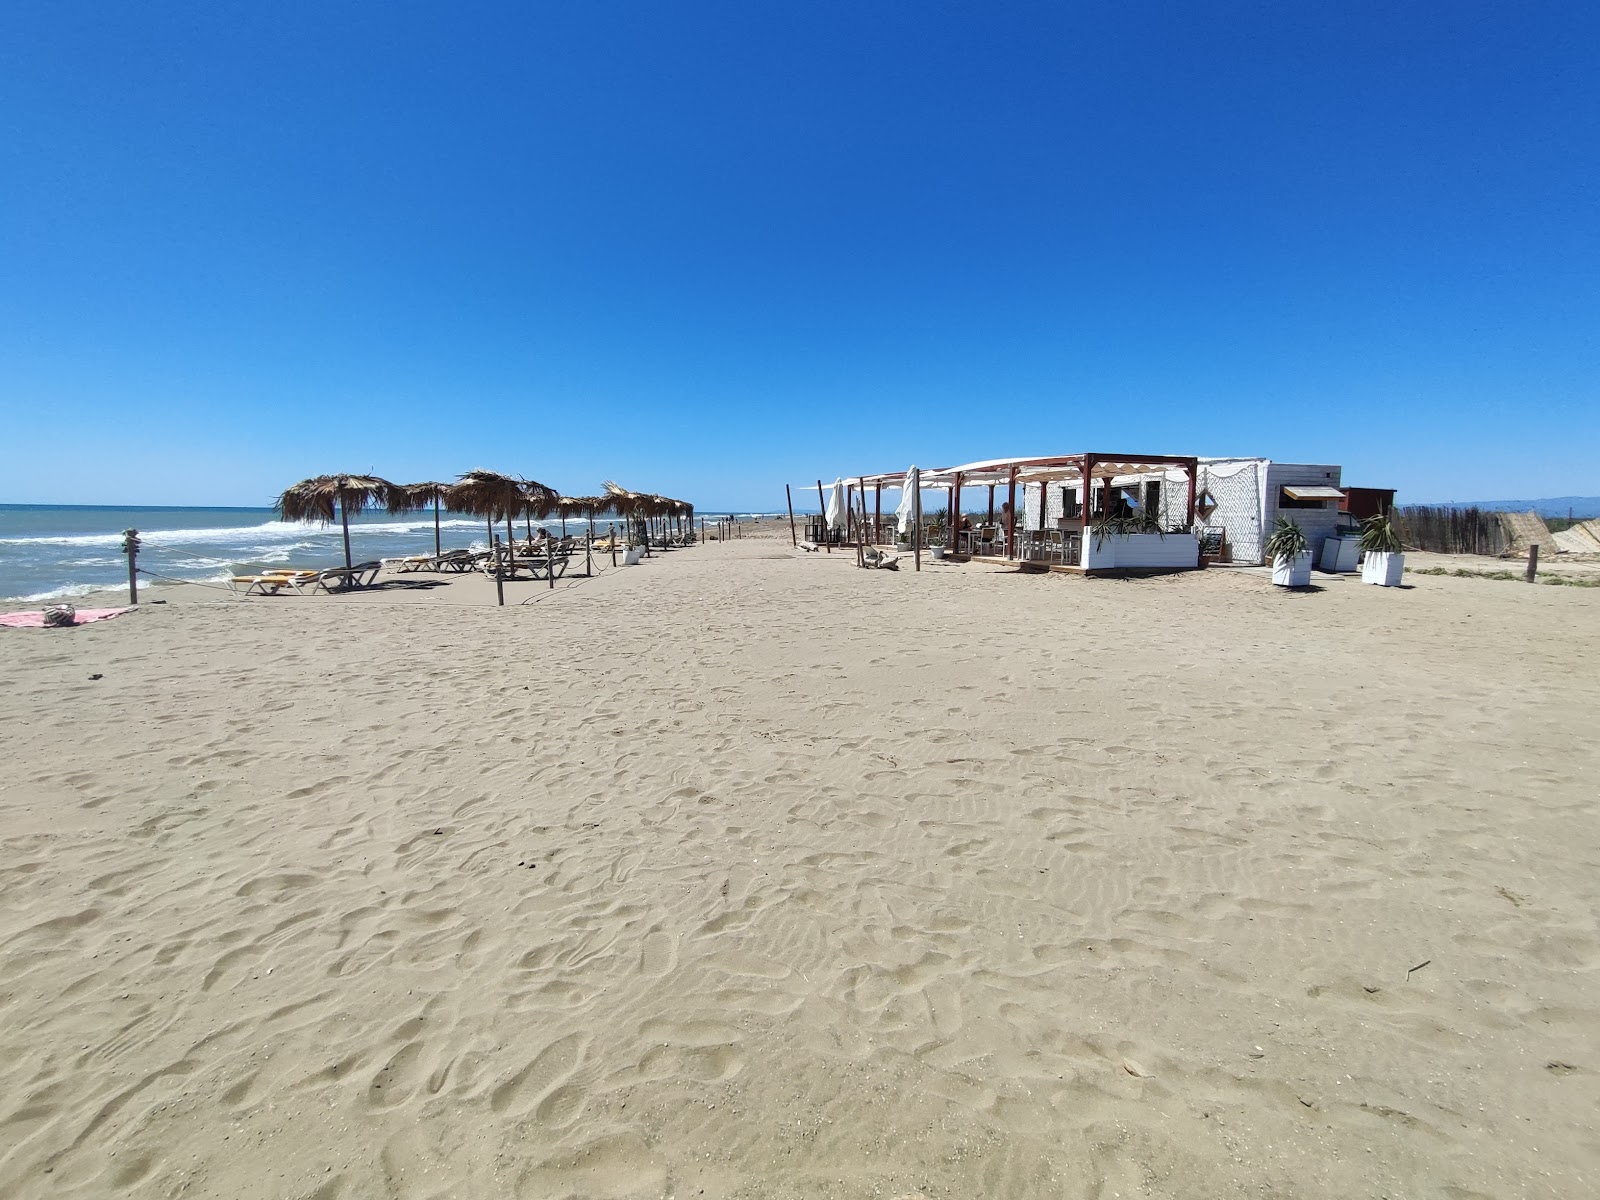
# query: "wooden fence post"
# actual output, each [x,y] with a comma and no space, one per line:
[130,547]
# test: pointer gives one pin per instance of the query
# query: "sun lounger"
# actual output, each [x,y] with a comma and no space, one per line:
[450,560]
[882,560]
[342,579]
[258,585]
[269,583]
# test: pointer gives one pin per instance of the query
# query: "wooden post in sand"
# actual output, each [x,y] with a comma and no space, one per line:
[130,547]
[1011,514]
[822,510]
[916,518]
[788,498]
[550,558]
[1533,562]
[613,536]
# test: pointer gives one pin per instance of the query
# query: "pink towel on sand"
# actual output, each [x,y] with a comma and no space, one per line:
[35,620]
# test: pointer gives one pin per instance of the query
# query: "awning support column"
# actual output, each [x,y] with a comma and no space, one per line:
[953,534]
[1011,515]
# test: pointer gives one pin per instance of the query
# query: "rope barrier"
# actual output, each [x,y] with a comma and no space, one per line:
[221,587]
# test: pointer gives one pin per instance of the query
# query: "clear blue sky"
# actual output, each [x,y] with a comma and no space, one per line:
[705,248]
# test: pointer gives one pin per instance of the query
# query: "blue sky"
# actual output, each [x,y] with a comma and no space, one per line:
[707,248]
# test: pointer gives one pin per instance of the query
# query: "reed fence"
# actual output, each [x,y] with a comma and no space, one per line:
[1451,530]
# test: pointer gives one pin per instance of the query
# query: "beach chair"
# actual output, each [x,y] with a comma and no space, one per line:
[342,579]
[543,567]
[270,583]
[881,560]
[450,560]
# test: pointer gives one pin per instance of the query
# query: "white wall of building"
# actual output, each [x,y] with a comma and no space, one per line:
[1246,493]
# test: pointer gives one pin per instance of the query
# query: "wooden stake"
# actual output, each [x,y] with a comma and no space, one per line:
[1533,561]
[916,517]
[788,499]
[130,547]
[822,509]
[1011,516]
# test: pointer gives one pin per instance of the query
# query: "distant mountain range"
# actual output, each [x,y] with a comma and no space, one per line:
[1551,506]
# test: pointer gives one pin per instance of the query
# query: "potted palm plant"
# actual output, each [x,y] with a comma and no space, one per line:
[937,528]
[1290,554]
[1382,562]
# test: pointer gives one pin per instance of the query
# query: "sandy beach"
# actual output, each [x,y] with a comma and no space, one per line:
[745,873]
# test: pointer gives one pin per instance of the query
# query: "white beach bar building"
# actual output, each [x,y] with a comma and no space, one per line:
[1241,498]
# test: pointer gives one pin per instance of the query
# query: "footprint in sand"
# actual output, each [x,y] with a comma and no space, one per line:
[659,954]
[543,1075]
[397,1079]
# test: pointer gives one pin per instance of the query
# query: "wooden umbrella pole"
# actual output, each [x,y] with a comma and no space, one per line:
[822,517]
[1011,516]
[344,520]
[436,550]
[916,517]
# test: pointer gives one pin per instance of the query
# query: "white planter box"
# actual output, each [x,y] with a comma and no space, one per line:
[1340,554]
[1148,551]
[1292,572]
[1383,569]
[632,555]
[936,551]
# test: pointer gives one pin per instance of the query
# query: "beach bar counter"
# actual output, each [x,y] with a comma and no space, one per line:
[1084,512]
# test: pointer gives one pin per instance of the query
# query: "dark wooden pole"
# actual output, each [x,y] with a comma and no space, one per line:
[550,560]
[1533,562]
[344,520]
[877,512]
[130,547]
[788,498]
[1194,470]
[955,515]
[436,550]
[827,534]
[849,512]
[1011,518]
[916,518]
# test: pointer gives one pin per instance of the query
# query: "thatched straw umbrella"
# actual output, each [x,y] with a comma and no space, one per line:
[420,495]
[644,507]
[494,496]
[318,499]
[579,506]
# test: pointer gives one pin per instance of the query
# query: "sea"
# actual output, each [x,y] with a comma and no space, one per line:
[58,552]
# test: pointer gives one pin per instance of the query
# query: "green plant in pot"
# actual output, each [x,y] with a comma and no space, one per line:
[1289,553]
[1382,559]
[937,526]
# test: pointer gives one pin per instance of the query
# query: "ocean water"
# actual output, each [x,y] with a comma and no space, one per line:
[58,552]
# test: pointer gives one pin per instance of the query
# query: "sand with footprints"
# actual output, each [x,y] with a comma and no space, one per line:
[745,873]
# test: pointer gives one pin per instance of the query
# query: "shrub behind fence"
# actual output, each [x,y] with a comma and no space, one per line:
[1450,530]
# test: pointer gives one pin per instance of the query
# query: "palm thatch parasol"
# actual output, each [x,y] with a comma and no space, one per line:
[539,502]
[319,498]
[580,506]
[420,495]
[643,507]
[494,496]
